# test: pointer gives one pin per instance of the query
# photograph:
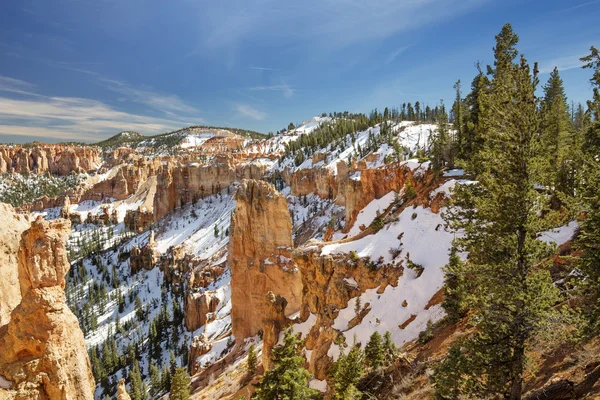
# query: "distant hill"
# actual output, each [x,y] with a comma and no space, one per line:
[174,137]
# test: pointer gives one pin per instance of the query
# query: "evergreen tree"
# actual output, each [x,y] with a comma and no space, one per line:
[155,379]
[180,385]
[288,379]
[374,350]
[441,147]
[455,288]
[588,240]
[500,217]
[346,372]
[389,348]
[557,139]
[251,359]
[137,388]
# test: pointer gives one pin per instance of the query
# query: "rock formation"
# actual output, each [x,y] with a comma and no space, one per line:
[199,309]
[200,346]
[122,391]
[138,220]
[58,159]
[259,256]
[146,257]
[43,350]
[274,321]
[13,226]
[325,292]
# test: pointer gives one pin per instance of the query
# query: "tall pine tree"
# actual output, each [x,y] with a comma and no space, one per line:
[500,218]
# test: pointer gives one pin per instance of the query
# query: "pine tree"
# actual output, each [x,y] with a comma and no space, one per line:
[137,388]
[180,385]
[288,379]
[455,288]
[500,218]
[374,351]
[155,379]
[588,240]
[389,348]
[346,372]
[557,139]
[251,359]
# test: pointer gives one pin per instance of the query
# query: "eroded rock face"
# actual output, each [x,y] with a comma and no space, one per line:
[43,350]
[180,184]
[56,159]
[145,257]
[274,321]
[259,256]
[138,220]
[199,309]
[13,226]
[326,291]
[122,391]
[200,346]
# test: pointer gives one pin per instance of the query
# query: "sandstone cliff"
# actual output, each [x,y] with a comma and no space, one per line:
[43,350]
[13,226]
[325,290]
[259,256]
[56,159]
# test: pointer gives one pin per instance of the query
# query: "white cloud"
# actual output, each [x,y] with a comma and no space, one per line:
[320,23]
[72,118]
[287,90]
[392,56]
[562,63]
[169,104]
[245,110]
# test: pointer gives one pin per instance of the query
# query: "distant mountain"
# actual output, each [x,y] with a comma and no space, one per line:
[174,137]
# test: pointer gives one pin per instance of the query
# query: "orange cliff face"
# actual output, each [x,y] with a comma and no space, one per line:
[259,256]
[59,159]
[43,350]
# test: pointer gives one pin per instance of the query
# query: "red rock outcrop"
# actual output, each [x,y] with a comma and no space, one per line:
[259,256]
[138,220]
[145,258]
[180,184]
[200,346]
[13,226]
[274,322]
[325,292]
[199,309]
[43,350]
[122,391]
[56,159]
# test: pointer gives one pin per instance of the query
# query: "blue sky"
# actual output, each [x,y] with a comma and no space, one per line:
[87,69]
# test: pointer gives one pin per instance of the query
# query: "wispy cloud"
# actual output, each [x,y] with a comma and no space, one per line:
[589,3]
[245,110]
[320,23]
[287,90]
[169,104]
[70,118]
[392,56]
[562,63]
[263,68]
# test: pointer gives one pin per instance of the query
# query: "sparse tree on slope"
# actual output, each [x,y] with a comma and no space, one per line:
[500,218]
[374,350]
[137,387]
[180,385]
[251,359]
[346,372]
[288,379]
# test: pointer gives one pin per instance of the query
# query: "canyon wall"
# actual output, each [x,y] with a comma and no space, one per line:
[56,159]
[43,350]
[259,256]
[13,226]
[326,290]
